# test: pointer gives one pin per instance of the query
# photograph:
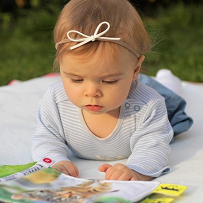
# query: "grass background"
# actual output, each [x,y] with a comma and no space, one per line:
[27,48]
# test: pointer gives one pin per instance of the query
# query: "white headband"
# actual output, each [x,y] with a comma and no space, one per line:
[96,36]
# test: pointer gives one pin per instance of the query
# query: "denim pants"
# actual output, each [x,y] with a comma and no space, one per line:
[175,105]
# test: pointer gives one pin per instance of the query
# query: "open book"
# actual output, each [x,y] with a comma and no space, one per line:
[41,184]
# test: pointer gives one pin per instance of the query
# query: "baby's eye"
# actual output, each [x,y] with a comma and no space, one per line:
[77,80]
[110,81]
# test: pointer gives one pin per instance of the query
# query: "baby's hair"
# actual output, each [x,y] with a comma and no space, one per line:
[85,15]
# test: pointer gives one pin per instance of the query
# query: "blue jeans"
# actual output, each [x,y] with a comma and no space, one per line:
[175,105]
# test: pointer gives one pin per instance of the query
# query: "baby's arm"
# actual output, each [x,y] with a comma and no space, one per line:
[150,142]
[67,168]
[149,146]
[122,172]
[49,139]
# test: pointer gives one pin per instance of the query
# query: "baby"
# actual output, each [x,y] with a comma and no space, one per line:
[99,109]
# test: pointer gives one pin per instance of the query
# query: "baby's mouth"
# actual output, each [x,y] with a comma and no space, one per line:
[94,107]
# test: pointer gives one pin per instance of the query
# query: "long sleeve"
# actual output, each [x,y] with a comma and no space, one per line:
[150,142]
[48,139]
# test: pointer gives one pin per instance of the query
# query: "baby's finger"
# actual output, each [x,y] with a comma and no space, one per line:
[113,174]
[133,179]
[76,170]
[104,167]
[70,169]
[61,169]
[125,176]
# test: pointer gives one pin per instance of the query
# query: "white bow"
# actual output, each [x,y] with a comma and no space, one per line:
[92,38]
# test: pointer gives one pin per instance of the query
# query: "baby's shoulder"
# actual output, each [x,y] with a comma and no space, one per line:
[57,92]
[144,94]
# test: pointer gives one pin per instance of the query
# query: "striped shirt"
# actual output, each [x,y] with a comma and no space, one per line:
[142,134]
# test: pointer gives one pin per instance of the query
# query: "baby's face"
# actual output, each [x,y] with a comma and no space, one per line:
[100,83]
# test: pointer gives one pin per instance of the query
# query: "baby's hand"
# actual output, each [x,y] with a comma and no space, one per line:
[66,167]
[121,172]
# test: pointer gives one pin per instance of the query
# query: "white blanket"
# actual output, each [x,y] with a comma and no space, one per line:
[18,105]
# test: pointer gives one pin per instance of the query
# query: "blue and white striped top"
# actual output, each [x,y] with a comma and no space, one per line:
[142,134]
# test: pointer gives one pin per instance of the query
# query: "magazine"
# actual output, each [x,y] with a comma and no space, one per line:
[48,185]
[12,172]
[37,182]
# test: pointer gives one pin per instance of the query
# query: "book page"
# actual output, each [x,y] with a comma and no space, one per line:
[48,185]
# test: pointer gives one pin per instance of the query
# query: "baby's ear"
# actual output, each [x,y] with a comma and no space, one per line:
[138,67]
[140,60]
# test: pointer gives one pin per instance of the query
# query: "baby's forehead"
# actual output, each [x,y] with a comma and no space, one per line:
[103,61]
[100,51]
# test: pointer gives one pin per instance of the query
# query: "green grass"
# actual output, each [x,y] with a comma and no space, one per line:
[178,32]
[27,48]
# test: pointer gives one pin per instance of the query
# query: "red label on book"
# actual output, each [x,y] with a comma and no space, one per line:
[47,160]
